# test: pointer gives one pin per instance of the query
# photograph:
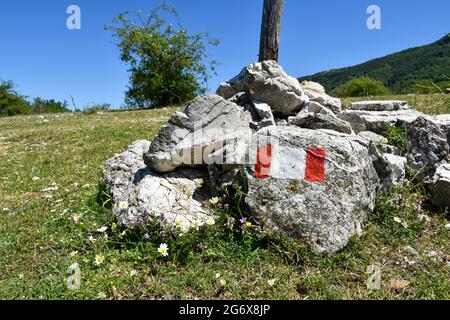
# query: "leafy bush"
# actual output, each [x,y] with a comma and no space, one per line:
[360,87]
[11,103]
[49,106]
[96,107]
[168,66]
[396,135]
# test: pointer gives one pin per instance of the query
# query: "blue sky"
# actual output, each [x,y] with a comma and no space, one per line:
[46,59]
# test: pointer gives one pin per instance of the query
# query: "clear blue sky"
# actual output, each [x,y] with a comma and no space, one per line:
[46,59]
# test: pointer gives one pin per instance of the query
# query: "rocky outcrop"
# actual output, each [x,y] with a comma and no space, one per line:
[267,82]
[319,186]
[176,199]
[291,145]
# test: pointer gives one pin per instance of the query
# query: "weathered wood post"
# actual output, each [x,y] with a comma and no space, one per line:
[271,30]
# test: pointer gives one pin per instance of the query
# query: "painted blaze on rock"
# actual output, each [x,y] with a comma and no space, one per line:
[311,164]
[318,186]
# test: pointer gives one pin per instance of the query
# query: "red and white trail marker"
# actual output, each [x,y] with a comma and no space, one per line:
[288,163]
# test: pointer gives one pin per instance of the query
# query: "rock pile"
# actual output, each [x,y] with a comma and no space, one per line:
[312,169]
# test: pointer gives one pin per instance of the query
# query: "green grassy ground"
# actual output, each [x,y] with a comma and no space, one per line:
[39,238]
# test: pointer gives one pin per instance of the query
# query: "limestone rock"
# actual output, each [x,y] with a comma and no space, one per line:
[385,105]
[376,121]
[265,113]
[267,82]
[380,142]
[398,165]
[441,187]
[207,124]
[140,194]
[316,93]
[427,147]
[320,186]
[320,121]
[375,138]
[315,107]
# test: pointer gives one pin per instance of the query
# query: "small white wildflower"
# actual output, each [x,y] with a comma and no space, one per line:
[271,282]
[99,259]
[223,282]
[36,179]
[210,222]
[163,250]
[123,205]
[91,238]
[133,273]
[198,223]
[217,275]
[214,201]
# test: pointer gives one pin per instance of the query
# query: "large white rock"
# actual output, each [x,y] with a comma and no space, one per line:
[140,194]
[324,213]
[427,147]
[372,136]
[310,120]
[380,105]
[376,121]
[267,82]
[207,124]
[316,93]
[398,165]
[441,187]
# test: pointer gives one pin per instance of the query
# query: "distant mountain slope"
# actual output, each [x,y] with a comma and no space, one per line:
[399,70]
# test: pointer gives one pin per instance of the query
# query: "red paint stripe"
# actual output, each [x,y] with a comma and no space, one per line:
[263,162]
[315,165]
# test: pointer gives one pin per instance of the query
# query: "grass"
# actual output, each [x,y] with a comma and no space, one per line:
[39,239]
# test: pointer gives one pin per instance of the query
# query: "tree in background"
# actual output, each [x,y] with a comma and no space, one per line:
[361,87]
[167,65]
[40,105]
[11,103]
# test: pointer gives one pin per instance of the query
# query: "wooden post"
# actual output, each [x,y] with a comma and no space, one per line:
[271,30]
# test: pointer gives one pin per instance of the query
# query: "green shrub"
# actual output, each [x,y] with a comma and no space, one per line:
[96,107]
[167,65]
[11,103]
[49,106]
[396,135]
[361,87]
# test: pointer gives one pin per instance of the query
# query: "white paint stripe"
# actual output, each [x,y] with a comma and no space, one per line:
[288,163]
